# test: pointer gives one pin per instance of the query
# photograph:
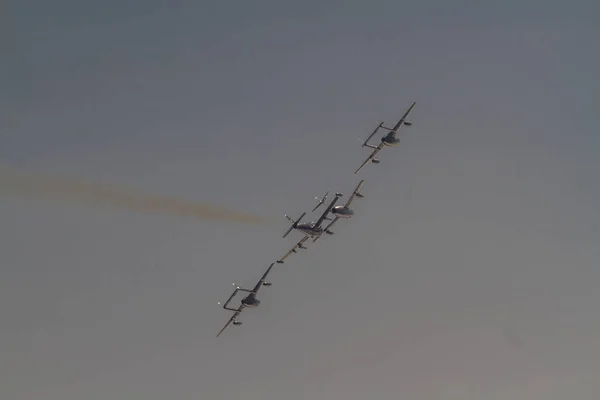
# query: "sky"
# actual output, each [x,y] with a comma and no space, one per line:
[469,271]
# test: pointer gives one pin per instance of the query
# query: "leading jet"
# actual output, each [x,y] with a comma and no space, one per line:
[343,211]
[312,229]
[250,301]
[388,140]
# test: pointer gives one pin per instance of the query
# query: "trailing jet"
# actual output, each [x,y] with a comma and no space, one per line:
[388,140]
[250,301]
[343,211]
[311,229]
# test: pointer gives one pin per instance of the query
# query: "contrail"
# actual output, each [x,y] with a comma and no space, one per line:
[35,186]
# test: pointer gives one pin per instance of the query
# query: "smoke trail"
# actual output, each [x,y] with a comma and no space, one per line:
[12,182]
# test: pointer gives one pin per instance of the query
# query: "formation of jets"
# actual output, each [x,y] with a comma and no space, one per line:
[313,229]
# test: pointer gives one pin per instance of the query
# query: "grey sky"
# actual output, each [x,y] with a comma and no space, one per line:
[470,270]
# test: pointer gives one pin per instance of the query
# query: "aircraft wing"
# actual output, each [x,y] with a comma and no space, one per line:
[403,119]
[353,195]
[293,250]
[262,279]
[371,157]
[329,207]
[233,317]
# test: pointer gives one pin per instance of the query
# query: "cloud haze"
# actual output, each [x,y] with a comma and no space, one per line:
[46,187]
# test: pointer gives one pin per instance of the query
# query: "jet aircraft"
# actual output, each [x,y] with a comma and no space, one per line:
[250,301]
[388,140]
[343,211]
[311,228]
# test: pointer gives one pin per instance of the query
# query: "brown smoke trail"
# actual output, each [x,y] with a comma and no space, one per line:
[12,182]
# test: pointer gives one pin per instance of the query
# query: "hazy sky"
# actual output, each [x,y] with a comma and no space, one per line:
[470,270]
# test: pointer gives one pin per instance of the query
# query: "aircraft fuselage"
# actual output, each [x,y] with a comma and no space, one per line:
[390,139]
[250,301]
[308,229]
[342,212]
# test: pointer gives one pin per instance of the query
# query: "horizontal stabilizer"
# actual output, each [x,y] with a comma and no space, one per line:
[320,201]
[365,143]
[288,231]
[294,224]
